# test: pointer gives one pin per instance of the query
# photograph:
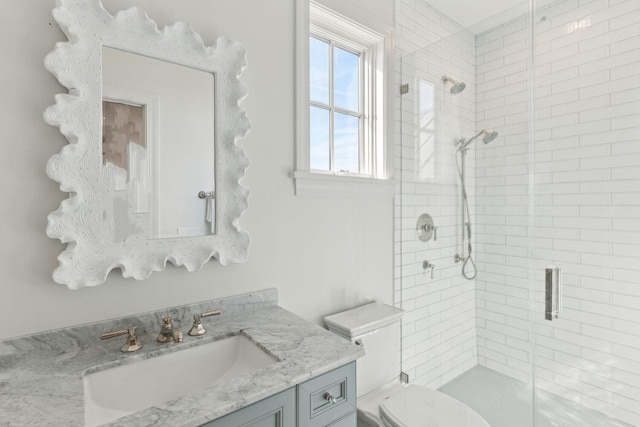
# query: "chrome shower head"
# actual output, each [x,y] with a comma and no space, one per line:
[487,137]
[456,87]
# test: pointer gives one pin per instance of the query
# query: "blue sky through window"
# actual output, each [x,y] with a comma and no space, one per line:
[318,70]
[319,138]
[334,76]
[345,142]
[345,80]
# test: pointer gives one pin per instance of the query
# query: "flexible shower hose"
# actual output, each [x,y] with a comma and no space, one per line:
[466,208]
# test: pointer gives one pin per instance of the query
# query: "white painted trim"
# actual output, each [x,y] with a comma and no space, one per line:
[302,85]
[332,185]
[380,56]
[322,16]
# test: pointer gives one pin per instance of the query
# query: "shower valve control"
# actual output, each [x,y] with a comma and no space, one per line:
[427,265]
[425,228]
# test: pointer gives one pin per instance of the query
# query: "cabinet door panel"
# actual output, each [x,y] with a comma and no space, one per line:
[278,410]
[349,421]
[328,397]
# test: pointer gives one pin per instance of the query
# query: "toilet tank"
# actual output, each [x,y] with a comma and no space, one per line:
[376,327]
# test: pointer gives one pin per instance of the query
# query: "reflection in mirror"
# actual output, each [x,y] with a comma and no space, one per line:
[157,185]
[125,156]
[152,176]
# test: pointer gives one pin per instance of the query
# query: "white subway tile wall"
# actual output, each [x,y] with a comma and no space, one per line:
[439,330]
[586,201]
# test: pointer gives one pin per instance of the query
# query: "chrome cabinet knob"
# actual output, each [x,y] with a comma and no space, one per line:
[329,398]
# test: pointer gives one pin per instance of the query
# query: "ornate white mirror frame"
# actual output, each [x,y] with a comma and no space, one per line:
[85,221]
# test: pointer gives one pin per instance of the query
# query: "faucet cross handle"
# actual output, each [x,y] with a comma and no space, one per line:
[197,328]
[132,340]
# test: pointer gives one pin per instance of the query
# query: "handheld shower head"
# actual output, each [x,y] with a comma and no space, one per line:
[456,87]
[487,137]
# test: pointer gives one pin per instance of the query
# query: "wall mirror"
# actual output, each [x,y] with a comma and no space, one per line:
[152,168]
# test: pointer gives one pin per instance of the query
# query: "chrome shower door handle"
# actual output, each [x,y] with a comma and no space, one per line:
[551,293]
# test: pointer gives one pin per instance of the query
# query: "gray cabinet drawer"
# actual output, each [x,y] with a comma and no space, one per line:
[316,408]
[349,421]
[278,410]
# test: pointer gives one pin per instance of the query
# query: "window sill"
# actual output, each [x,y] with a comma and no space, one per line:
[320,184]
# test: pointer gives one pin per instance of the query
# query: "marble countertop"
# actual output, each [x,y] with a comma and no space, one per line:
[41,376]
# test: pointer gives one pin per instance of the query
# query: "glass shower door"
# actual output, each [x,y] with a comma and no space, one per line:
[586,208]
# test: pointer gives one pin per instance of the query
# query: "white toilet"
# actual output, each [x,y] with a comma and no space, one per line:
[382,399]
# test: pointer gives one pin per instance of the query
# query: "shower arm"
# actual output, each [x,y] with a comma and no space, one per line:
[464,144]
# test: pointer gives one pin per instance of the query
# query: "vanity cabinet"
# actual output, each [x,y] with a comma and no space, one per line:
[278,410]
[328,400]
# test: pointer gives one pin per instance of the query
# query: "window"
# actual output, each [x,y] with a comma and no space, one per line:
[335,107]
[341,115]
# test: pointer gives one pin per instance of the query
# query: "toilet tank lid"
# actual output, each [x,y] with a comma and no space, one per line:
[362,320]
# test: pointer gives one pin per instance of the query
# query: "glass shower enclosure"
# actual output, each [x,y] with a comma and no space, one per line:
[520,138]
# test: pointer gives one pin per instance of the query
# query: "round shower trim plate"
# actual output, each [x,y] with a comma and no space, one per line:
[425,227]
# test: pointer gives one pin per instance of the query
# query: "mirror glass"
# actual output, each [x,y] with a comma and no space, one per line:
[153,117]
[158,143]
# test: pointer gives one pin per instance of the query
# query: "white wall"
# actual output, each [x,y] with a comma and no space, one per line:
[323,255]
[438,330]
[586,206]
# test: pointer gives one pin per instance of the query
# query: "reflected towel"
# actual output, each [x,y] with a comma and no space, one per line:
[209,215]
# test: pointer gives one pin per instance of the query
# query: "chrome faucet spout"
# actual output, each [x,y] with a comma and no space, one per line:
[167,333]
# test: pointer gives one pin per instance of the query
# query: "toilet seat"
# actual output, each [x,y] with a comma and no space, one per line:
[415,406]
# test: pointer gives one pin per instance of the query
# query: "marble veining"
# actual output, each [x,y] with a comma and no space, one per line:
[41,375]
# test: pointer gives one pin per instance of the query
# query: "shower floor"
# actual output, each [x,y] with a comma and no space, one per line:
[506,402]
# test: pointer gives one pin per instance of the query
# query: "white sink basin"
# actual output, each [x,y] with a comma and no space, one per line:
[123,390]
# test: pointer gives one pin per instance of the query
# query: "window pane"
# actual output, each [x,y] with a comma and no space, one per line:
[319,139]
[345,142]
[426,141]
[426,106]
[345,83]
[318,70]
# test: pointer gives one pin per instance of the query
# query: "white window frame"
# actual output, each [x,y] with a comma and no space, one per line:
[374,179]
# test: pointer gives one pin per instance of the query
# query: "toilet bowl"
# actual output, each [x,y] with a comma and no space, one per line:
[400,405]
[382,400]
